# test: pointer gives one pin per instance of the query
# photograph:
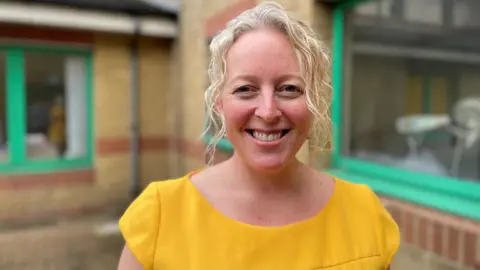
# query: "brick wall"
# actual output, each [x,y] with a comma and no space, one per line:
[432,239]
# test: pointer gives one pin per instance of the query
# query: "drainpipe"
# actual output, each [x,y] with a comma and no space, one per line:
[134,115]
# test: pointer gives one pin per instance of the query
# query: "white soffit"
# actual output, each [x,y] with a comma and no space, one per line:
[73,18]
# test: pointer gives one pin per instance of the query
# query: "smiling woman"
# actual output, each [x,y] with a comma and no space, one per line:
[267,96]
[267,120]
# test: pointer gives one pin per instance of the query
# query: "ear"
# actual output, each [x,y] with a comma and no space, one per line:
[219,105]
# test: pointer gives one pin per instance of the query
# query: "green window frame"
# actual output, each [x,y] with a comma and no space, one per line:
[223,144]
[446,194]
[15,90]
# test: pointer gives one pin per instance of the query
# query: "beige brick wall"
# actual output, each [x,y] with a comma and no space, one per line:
[155,80]
[155,83]
[156,107]
[111,85]
[211,8]
[192,75]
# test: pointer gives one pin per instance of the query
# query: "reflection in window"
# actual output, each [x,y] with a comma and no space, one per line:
[460,14]
[414,102]
[56,106]
[424,11]
[3,112]
[465,13]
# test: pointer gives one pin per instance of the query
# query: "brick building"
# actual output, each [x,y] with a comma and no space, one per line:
[127,77]
[84,87]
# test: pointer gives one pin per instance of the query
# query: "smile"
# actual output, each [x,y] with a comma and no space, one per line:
[267,136]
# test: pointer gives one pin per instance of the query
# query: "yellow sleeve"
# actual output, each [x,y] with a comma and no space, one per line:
[389,232]
[140,225]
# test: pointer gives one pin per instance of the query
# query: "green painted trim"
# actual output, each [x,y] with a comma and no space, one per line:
[441,184]
[90,109]
[16,113]
[223,145]
[53,49]
[45,166]
[429,198]
[337,84]
[348,4]
[15,77]
[338,33]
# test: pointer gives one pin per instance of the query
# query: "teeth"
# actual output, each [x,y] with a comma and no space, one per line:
[267,137]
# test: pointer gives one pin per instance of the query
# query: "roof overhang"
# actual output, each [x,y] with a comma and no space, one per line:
[74,18]
[332,1]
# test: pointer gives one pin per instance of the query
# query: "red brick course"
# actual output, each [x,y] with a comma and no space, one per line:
[450,238]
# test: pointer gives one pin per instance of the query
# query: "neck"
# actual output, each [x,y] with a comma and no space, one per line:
[287,179]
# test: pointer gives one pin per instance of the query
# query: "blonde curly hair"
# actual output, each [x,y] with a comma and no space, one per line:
[313,56]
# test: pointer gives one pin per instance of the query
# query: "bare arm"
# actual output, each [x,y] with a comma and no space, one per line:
[128,261]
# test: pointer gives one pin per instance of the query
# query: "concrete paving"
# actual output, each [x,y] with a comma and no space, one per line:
[72,245]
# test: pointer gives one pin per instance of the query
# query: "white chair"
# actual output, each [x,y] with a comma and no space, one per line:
[464,124]
[466,127]
[415,127]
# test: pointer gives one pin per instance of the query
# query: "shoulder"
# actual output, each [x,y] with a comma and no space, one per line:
[363,202]
[155,191]
[360,195]
[141,221]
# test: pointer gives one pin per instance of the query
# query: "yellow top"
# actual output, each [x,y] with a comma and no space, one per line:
[171,226]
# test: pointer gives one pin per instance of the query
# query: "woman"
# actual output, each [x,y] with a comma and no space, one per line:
[56,129]
[262,208]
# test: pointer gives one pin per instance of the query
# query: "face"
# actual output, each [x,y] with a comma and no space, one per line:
[263,100]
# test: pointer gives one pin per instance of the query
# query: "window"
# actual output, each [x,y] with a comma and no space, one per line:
[407,101]
[451,13]
[45,125]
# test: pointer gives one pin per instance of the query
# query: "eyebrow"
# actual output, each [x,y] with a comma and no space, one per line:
[250,77]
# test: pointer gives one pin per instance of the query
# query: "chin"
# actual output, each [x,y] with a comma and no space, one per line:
[269,163]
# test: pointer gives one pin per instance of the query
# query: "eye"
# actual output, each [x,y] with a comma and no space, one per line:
[290,90]
[245,91]
[242,89]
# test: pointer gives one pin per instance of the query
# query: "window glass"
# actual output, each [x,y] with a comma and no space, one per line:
[56,106]
[412,86]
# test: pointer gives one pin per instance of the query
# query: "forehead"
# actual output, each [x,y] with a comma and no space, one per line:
[262,52]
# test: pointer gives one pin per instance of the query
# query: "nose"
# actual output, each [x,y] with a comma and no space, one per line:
[267,108]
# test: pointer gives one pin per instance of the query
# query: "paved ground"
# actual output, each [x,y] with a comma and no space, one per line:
[92,243]
[72,245]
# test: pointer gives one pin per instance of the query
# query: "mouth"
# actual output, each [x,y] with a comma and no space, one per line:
[270,136]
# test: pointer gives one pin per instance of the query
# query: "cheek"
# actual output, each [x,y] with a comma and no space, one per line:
[236,115]
[300,116]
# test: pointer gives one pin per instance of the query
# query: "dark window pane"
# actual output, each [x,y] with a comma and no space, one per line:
[56,106]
